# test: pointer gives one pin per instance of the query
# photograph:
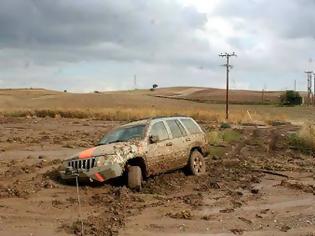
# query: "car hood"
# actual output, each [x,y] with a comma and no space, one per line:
[121,149]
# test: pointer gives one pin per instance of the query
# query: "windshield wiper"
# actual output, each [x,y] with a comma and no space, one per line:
[117,141]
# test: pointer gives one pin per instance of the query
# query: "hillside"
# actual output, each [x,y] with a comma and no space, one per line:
[213,95]
[41,98]
[201,103]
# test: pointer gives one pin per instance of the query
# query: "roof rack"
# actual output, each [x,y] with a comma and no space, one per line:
[159,117]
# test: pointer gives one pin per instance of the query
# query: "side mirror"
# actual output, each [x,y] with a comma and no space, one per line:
[153,139]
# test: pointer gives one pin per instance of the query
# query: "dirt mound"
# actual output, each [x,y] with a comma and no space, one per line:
[165,184]
[25,178]
[307,188]
[114,205]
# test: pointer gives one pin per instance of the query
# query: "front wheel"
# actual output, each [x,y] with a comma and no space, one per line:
[196,164]
[134,178]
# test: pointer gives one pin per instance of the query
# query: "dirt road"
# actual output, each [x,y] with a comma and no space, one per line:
[234,198]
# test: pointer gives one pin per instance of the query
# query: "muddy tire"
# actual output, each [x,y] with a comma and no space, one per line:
[135,178]
[196,164]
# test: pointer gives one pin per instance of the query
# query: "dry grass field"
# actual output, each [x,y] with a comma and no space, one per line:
[201,103]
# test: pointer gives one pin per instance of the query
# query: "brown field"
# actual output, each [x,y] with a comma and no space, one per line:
[201,103]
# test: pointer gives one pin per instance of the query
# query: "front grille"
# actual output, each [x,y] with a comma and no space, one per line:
[82,164]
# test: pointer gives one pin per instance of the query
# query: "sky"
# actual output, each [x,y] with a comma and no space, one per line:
[90,45]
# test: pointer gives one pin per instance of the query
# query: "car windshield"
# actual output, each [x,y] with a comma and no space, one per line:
[123,134]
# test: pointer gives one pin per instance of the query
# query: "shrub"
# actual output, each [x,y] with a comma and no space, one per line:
[225,126]
[291,98]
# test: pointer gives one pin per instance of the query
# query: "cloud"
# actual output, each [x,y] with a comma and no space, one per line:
[286,18]
[101,44]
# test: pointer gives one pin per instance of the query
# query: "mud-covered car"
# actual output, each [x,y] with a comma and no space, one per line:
[141,149]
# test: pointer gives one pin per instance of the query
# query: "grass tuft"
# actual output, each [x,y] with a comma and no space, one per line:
[227,136]
[304,140]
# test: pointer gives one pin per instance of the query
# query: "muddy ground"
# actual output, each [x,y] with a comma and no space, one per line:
[235,197]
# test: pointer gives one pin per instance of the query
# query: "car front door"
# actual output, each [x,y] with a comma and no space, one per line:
[158,150]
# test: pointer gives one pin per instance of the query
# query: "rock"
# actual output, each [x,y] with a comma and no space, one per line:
[285,228]
[237,231]
[215,157]
[254,191]
[245,220]
[227,210]
[41,157]
[264,211]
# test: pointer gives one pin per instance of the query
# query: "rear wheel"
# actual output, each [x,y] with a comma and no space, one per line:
[196,163]
[134,178]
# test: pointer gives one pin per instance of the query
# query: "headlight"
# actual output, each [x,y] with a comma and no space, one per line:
[100,161]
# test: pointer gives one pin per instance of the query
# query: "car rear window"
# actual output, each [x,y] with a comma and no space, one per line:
[175,128]
[158,129]
[191,126]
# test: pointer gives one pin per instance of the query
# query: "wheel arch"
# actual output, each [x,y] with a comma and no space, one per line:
[196,148]
[138,161]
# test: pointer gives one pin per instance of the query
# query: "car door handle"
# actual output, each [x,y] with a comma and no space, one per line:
[169,144]
[188,139]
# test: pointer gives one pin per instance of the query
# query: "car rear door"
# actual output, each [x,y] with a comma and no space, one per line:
[180,149]
[196,136]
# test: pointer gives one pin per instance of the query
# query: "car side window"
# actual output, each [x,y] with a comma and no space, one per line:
[181,127]
[175,129]
[159,130]
[191,126]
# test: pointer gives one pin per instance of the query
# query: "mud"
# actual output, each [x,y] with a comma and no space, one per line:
[232,198]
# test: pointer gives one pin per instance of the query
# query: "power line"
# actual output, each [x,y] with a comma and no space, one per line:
[228,67]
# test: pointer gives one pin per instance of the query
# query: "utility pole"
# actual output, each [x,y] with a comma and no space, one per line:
[135,81]
[309,75]
[228,67]
[263,94]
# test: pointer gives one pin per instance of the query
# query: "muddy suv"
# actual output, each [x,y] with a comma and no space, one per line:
[141,149]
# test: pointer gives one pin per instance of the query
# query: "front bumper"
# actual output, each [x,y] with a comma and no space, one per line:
[71,174]
[99,174]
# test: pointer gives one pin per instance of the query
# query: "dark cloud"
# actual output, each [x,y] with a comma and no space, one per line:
[71,30]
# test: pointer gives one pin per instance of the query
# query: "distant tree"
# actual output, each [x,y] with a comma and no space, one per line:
[65,91]
[291,98]
[154,86]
